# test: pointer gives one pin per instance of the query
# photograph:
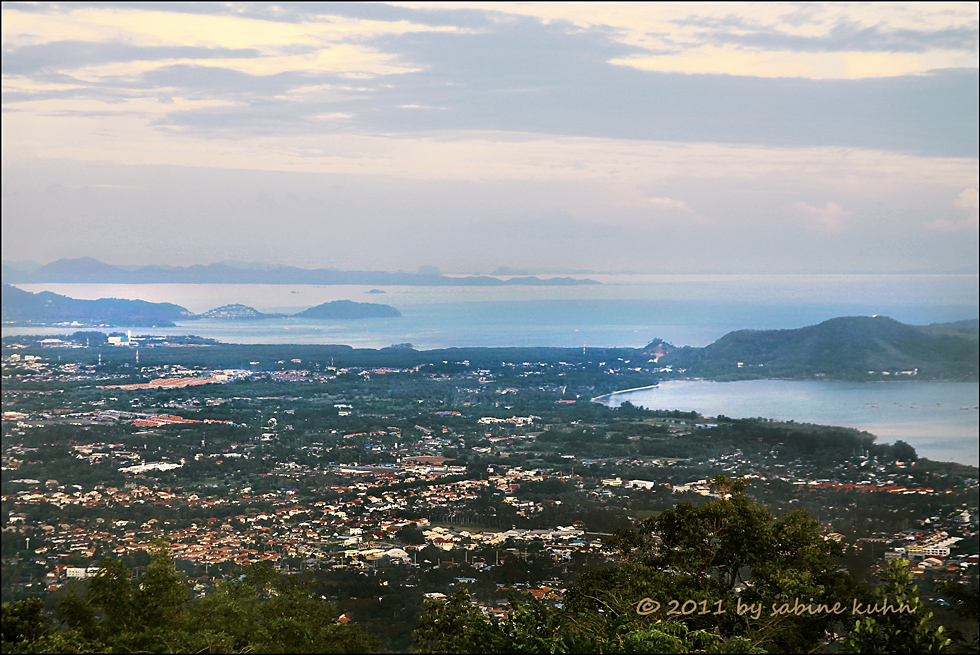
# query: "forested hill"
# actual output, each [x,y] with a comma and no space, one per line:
[847,348]
[45,308]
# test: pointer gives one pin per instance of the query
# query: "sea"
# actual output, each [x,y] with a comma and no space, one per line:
[624,310]
[939,418]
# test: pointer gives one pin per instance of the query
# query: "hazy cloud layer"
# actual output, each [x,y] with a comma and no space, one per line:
[651,137]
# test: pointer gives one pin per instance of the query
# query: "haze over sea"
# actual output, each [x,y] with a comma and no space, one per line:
[624,310]
[629,311]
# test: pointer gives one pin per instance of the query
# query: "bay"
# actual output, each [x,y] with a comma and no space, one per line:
[621,311]
[625,311]
[940,419]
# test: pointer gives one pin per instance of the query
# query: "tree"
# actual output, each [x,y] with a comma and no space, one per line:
[725,553]
[411,535]
[260,612]
[899,621]
[903,452]
[110,595]
[162,592]
[454,625]
[23,620]
[966,604]
[692,568]
[457,626]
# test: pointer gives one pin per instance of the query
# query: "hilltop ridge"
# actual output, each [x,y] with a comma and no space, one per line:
[849,347]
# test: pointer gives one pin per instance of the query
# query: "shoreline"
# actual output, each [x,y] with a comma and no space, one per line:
[613,393]
[942,434]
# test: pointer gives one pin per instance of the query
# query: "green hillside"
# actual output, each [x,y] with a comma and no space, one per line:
[45,308]
[849,348]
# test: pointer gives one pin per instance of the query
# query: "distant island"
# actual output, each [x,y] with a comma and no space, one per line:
[92,271]
[235,313]
[855,348]
[24,308]
[343,309]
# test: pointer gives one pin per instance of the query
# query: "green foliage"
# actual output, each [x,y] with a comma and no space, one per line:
[727,551]
[261,612]
[265,613]
[411,534]
[457,626]
[452,626]
[966,604]
[23,620]
[664,637]
[903,623]
[966,601]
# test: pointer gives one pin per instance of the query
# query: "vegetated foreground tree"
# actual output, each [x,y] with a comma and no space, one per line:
[457,626]
[261,612]
[724,577]
[24,621]
[966,604]
[902,624]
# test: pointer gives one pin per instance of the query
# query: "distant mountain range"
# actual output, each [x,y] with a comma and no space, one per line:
[46,308]
[848,348]
[89,270]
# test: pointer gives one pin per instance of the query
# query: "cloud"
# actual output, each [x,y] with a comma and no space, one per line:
[774,40]
[612,116]
[98,41]
[73,55]
[829,218]
[552,71]
[969,199]
[669,203]
[845,35]
[732,60]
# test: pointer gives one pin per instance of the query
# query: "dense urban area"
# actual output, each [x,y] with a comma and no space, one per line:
[391,481]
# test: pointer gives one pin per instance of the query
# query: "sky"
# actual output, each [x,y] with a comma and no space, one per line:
[647,137]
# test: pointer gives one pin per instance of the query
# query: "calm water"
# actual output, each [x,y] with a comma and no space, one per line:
[625,310]
[939,418]
[628,311]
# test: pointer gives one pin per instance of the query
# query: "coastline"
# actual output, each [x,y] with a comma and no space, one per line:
[613,393]
[938,418]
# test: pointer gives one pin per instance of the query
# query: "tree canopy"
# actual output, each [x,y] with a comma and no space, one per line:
[260,612]
[723,577]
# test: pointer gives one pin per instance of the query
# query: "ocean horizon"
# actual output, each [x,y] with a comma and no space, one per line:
[621,311]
